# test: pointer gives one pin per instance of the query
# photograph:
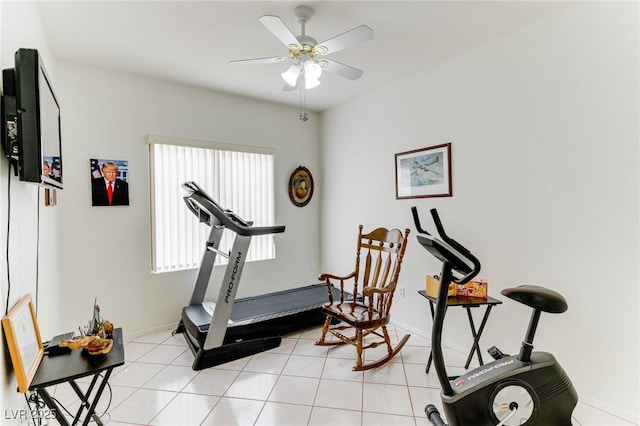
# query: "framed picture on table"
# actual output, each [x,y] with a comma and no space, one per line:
[22,333]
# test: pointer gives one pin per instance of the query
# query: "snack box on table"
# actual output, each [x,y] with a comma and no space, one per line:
[474,288]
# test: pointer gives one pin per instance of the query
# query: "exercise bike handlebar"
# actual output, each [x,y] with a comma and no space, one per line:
[447,249]
[454,257]
[204,207]
[416,221]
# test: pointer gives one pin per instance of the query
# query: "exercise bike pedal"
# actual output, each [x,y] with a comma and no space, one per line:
[496,353]
[433,415]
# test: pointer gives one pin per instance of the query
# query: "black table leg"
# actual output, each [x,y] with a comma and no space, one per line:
[433,314]
[474,346]
[476,335]
[53,406]
[96,399]
[84,401]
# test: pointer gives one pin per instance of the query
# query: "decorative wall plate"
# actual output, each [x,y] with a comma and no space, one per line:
[300,186]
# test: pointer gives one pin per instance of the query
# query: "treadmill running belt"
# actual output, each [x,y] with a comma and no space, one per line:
[279,304]
[270,314]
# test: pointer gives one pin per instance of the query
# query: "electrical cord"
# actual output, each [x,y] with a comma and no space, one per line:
[37,249]
[104,413]
[8,231]
[8,240]
[35,399]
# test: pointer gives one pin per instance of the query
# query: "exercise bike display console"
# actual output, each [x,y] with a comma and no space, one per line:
[230,329]
[528,389]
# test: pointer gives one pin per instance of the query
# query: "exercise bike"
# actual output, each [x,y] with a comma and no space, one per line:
[528,389]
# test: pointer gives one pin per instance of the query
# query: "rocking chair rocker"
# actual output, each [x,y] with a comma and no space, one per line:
[365,296]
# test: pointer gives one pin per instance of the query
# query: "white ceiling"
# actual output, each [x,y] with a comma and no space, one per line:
[193,42]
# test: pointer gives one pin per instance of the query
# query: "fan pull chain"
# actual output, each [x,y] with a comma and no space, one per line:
[302,116]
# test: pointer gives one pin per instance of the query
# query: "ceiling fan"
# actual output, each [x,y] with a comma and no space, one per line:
[307,55]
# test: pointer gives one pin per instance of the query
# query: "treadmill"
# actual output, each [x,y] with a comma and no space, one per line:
[231,329]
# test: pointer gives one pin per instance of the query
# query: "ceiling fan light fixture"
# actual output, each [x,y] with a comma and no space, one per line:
[312,70]
[305,52]
[310,83]
[291,75]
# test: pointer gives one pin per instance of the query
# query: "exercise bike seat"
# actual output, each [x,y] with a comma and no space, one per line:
[537,297]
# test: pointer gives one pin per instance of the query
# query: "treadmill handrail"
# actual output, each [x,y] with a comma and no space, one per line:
[197,199]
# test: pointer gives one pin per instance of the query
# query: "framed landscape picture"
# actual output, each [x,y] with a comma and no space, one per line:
[424,172]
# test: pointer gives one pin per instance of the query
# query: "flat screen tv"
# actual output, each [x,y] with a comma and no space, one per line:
[31,121]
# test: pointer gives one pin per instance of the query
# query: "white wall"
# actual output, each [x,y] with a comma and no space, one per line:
[33,236]
[544,127]
[108,115]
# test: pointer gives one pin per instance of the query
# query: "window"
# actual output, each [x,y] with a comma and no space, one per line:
[240,178]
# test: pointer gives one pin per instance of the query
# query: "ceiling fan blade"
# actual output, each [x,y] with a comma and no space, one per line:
[342,70]
[279,29]
[270,60]
[344,40]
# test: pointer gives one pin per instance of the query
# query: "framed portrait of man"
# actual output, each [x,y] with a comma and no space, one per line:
[109,182]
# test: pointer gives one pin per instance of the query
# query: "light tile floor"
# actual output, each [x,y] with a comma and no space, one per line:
[297,383]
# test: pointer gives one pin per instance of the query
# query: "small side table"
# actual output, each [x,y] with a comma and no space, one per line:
[466,302]
[66,368]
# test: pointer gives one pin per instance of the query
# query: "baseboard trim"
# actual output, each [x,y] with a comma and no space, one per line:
[609,409]
[131,335]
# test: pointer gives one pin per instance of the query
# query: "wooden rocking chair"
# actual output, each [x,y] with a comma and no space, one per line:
[365,296]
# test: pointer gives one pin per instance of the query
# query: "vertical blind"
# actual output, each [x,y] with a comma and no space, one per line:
[239,178]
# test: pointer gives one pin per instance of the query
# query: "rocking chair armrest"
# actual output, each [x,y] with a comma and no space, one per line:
[369,291]
[326,276]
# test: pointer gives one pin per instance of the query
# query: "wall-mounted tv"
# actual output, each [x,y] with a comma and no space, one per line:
[31,131]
